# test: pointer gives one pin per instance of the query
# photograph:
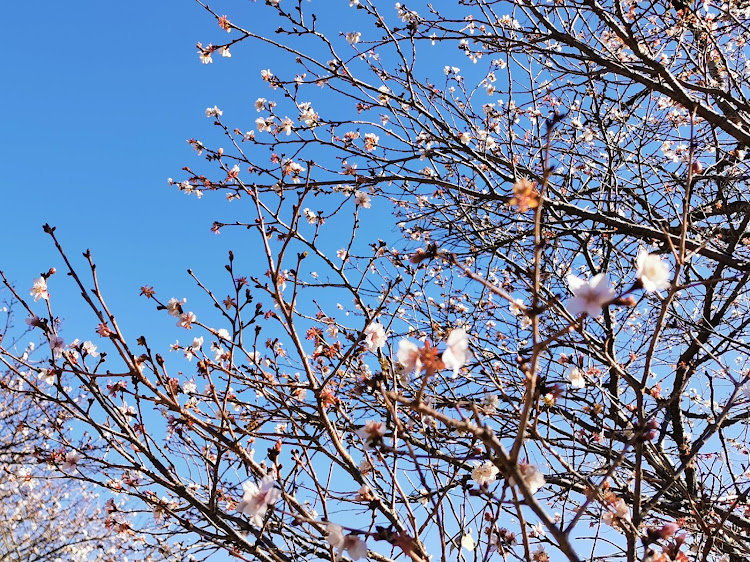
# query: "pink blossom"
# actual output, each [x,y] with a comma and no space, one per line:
[372,432]
[457,353]
[652,272]
[588,296]
[186,320]
[351,544]
[39,289]
[71,461]
[374,336]
[57,345]
[531,476]
[256,499]
[408,356]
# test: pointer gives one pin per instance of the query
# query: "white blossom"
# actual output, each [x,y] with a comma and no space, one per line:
[457,353]
[576,378]
[516,307]
[468,542]
[351,544]
[257,498]
[620,512]
[39,289]
[374,336]
[372,432]
[71,461]
[588,296]
[531,476]
[362,199]
[286,126]
[174,307]
[408,356]
[90,349]
[652,272]
[186,319]
[485,473]
[263,125]
[213,112]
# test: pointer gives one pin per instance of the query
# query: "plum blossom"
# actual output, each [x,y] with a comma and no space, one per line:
[174,307]
[374,336]
[256,499]
[307,114]
[286,126]
[576,378]
[589,296]
[293,169]
[457,352]
[372,432]
[186,320]
[205,56]
[531,476]
[485,474]
[47,375]
[408,356]
[540,555]
[354,546]
[262,124]
[219,352]
[382,96]
[516,307]
[39,289]
[620,512]
[57,345]
[90,349]
[351,544]
[468,542]
[652,272]
[34,321]
[371,141]
[490,403]
[362,199]
[194,348]
[71,461]
[213,112]
[126,409]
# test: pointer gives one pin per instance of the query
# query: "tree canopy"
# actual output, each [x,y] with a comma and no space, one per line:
[494,310]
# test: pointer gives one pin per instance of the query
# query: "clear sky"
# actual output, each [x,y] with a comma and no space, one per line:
[99,99]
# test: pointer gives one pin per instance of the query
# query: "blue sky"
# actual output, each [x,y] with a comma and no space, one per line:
[99,100]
